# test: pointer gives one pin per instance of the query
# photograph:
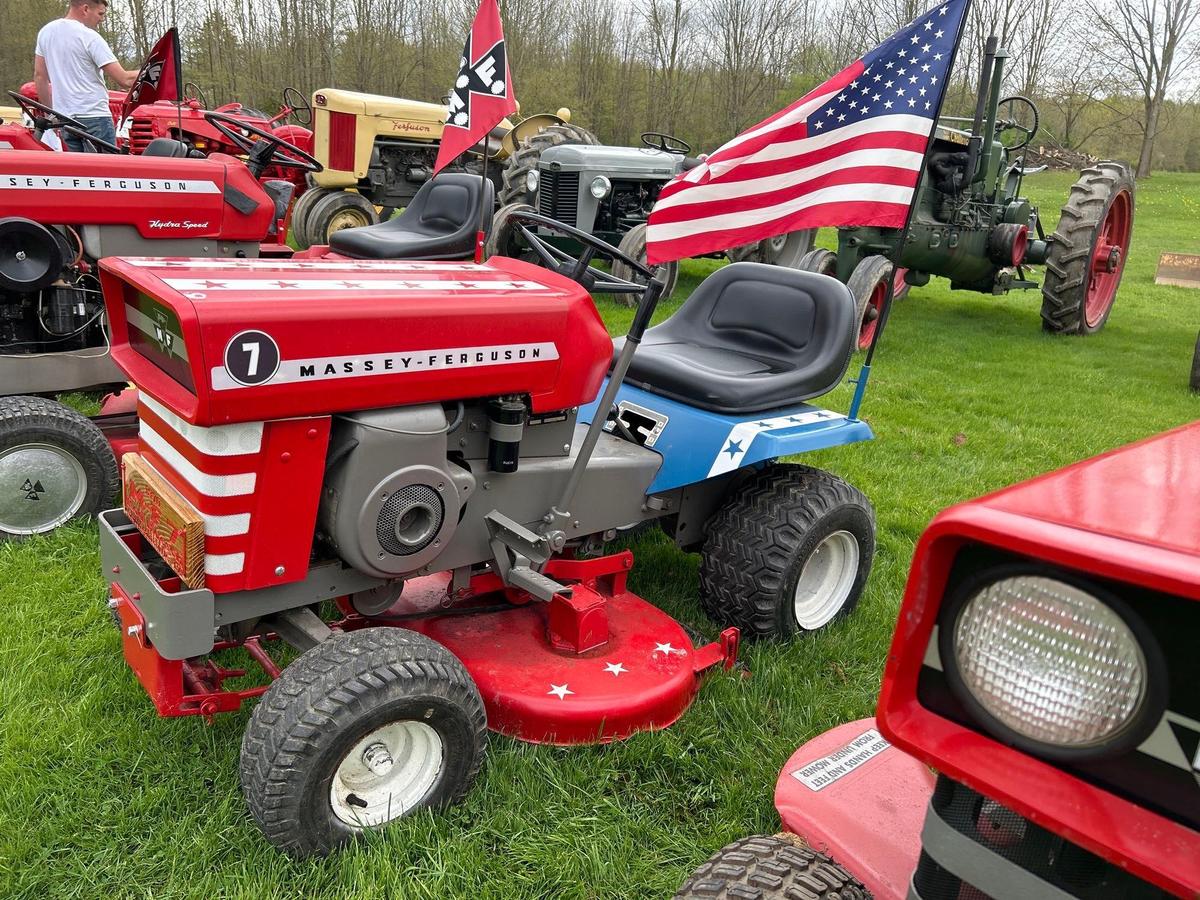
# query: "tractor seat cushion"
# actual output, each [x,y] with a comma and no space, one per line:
[168,147]
[439,223]
[750,338]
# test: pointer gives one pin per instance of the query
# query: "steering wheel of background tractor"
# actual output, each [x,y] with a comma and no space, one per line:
[47,118]
[96,145]
[191,91]
[268,150]
[298,106]
[578,268]
[1020,115]
[668,143]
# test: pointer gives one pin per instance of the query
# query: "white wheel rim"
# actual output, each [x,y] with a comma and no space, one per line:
[386,774]
[41,487]
[826,580]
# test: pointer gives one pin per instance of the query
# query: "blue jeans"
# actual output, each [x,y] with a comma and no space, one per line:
[97,126]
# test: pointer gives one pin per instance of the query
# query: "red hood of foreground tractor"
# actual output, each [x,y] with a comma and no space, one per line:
[160,197]
[1128,523]
[229,340]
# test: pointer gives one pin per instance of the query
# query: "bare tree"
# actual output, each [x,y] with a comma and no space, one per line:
[1149,43]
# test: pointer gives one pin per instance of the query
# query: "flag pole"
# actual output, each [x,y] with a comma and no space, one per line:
[864,373]
[483,201]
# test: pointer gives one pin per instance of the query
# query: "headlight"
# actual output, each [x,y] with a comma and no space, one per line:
[531,181]
[600,187]
[1048,665]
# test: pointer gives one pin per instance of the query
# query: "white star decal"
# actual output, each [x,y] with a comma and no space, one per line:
[942,11]
[668,649]
[853,104]
[874,98]
[888,83]
[887,104]
[925,68]
[899,92]
[912,102]
[912,79]
[841,118]
[902,71]
[863,110]
[939,34]
[933,80]
[937,56]
[915,39]
[901,54]
[928,25]
[867,89]
[889,65]
[877,78]
[854,84]
[927,104]
[925,49]
[922,92]
[560,691]
[842,98]
[829,112]
[819,125]
[615,668]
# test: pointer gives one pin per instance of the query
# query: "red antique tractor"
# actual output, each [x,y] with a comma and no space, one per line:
[1044,665]
[62,213]
[407,466]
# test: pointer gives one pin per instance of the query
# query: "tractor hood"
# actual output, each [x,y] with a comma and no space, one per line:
[377,105]
[614,161]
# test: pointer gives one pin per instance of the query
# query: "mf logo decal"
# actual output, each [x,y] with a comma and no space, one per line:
[33,489]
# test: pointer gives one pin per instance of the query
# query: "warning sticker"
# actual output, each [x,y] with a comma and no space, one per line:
[820,773]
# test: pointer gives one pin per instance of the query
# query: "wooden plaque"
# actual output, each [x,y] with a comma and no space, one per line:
[165,519]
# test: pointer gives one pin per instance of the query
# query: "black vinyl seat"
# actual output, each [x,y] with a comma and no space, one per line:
[168,147]
[750,338]
[439,223]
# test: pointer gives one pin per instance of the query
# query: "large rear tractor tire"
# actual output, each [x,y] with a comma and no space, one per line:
[785,249]
[633,245]
[334,211]
[771,868]
[504,239]
[869,283]
[821,261]
[788,553]
[361,730]
[55,465]
[1088,251]
[525,159]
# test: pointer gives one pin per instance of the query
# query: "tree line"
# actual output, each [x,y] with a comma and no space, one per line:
[1112,78]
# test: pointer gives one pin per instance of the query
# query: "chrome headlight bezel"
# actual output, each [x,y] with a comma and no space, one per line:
[532,180]
[1135,727]
[600,187]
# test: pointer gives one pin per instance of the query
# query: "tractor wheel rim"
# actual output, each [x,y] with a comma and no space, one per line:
[1108,259]
[41,487]
[387,774]
[870,320]
[347,218]
[826,580]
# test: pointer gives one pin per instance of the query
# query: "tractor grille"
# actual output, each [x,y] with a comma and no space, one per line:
[1009,855]
[558,196]
[141,133]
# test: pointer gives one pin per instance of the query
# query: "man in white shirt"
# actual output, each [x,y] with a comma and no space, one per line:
[69,65]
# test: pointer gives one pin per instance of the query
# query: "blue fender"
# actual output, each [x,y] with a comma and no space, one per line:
[696,444]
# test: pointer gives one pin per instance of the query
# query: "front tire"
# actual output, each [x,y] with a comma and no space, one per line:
[869,285]
[361,730]
[633,245]
[504,239]
[771,868]
[786,249]
[788,553]
[1088,251]
[335,211]
[55,465]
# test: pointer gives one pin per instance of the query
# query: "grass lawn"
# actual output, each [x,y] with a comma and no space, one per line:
[101,798]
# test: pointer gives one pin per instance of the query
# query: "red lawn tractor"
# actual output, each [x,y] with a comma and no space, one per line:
[62,213]
[408,470]
[1044,665]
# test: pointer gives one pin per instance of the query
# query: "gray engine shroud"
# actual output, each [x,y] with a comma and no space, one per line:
[403,497]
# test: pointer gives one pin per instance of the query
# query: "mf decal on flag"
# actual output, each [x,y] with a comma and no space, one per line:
[849,152]
[483,93]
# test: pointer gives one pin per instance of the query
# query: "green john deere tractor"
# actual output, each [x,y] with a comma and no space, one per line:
[972,225]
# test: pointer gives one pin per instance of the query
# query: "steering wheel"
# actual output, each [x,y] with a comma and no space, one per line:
[262,152]
[46,118]
[296,104]
[666,142]
[578,268]
[191,91]
[1012,120]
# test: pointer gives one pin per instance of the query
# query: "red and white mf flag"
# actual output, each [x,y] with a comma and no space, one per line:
[483,93]
[846,153]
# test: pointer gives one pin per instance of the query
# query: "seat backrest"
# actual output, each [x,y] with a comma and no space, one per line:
[168,147]
[450,203]
[771,312]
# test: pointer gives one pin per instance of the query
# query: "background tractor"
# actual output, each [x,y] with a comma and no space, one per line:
[378,151]
[972,226]
[609,192]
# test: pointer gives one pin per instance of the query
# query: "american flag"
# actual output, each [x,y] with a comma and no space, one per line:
[849,152]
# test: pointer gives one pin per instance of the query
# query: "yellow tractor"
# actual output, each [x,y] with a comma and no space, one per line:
[378,151]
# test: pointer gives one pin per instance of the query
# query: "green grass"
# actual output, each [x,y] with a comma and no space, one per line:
[101,798]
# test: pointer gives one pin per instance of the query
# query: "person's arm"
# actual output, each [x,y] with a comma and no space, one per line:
[41,80]
[121,76]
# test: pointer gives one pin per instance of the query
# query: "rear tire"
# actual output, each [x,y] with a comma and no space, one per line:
[525,159]
[300,213]
[788,552]
[869,283]
[786,249]
[335,211]
[633,245]
[766,868]
[55,465]
[503,239]
[363,729]
[1076,298]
